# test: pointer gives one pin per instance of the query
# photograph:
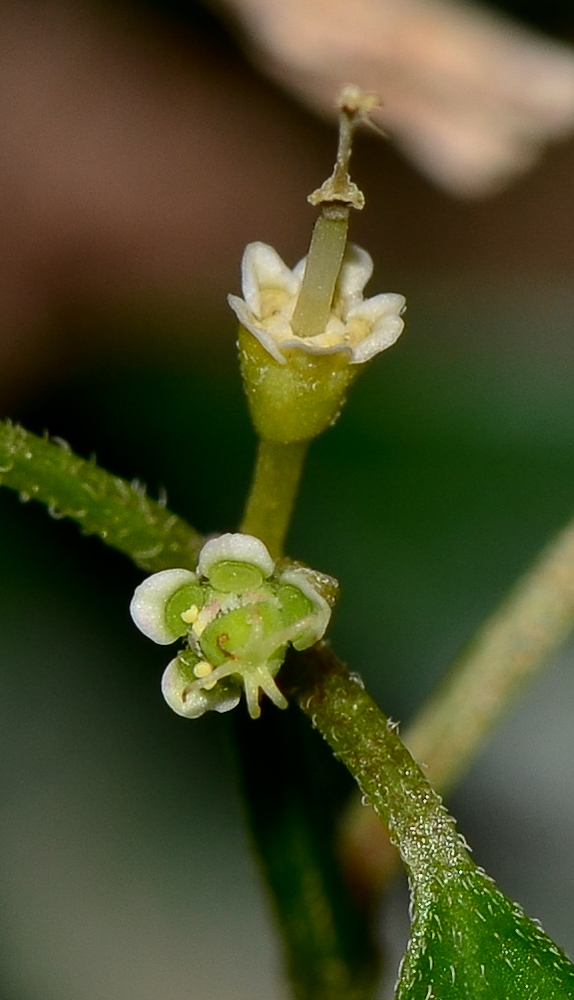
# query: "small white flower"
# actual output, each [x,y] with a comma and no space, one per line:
[236,617]
[361,327]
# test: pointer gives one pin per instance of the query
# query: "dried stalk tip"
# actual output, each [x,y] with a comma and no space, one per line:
[339,191]
[355,101]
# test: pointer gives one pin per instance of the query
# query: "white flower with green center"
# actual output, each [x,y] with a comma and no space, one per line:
[305,333]
[237,614]
[359,327]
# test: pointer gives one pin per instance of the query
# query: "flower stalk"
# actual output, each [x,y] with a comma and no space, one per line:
[271,499]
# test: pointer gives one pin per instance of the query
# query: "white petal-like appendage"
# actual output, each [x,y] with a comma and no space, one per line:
[190,701]
[356,270]
[246,318]
[262,267]
[242,311]
[147,607]
[309,346]
[235,548]
[383,313]
[299,577]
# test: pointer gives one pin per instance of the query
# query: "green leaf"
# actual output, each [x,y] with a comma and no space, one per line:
[118,511]
[469,941]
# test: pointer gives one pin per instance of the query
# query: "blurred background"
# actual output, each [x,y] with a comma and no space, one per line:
[143,145]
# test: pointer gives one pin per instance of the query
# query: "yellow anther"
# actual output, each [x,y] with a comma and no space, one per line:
[190,616]
[202,669]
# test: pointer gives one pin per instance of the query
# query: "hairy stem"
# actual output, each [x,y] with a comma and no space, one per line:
[273,491]
[367,743]
[119,512]
[511,648]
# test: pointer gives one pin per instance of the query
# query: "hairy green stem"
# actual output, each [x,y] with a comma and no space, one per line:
[467,939]
[119,512]
[273,491]
[367,743]
[511,648]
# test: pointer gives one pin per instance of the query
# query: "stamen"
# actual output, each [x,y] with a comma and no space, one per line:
[190,616]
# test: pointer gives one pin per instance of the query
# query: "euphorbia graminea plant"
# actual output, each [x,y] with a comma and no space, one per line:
[248,621]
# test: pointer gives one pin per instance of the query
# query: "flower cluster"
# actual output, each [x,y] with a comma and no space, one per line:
[237,615]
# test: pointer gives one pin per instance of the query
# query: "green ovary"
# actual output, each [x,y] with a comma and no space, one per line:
[242,634]
[248,642]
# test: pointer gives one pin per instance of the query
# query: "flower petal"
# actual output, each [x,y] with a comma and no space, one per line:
[235,548]
[262,267]
[191,701]
[147,607]
[315,626]
[247,320]
[356,270]
[382,313]
[263,270]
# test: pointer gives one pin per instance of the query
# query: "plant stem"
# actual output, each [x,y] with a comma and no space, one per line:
[278,469]
[511,648]
[118,511]
[367,743]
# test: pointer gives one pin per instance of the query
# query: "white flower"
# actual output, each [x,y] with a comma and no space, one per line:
[236,616]
[361,327]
